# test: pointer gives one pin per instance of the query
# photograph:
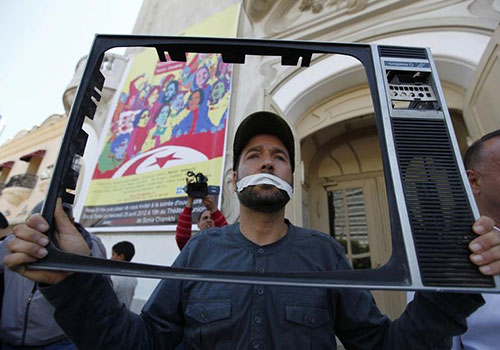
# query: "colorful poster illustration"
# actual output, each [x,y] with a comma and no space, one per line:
[169,119]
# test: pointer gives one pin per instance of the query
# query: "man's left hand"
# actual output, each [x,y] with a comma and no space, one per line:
[486,247]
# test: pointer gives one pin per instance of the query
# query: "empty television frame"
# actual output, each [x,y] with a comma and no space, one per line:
[431,205]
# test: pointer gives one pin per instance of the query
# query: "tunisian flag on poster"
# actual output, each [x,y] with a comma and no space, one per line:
[187,149]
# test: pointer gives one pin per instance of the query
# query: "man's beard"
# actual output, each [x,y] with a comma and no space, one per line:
[269,202]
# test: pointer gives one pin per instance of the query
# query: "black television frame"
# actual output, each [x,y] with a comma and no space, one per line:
[409,265]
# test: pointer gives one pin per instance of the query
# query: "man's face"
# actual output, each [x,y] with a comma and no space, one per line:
[205,221]
[488,185]
[264,154]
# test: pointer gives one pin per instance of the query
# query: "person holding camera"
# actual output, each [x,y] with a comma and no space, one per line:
[210,217]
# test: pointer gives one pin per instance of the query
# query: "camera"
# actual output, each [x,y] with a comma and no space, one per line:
[199,187]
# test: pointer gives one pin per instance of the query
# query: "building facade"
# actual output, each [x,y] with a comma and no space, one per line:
[26,163]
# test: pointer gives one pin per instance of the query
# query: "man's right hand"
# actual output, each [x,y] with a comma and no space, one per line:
[30,241]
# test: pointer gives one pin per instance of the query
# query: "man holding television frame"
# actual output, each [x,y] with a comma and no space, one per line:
[235,316]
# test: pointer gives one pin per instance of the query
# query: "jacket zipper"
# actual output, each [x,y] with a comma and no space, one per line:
[28,303]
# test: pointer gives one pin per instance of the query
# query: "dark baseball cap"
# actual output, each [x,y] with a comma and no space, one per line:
[259,123]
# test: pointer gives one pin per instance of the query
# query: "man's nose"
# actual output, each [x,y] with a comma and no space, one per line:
[267,165]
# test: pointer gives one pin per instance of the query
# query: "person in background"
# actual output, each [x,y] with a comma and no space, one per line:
[210,217]
[27,319]
[123,286]
[482,162]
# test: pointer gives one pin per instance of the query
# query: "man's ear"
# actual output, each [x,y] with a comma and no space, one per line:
[474,181]
[235,178]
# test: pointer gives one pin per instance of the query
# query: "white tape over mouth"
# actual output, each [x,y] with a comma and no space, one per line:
[264,179]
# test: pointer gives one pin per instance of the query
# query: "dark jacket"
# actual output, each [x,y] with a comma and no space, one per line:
[237,316]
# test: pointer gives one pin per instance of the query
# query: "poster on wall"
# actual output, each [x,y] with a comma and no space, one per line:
[169,118]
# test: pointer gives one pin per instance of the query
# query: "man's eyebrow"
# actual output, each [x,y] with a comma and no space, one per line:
[254,148]
[280,150]
[276,149]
